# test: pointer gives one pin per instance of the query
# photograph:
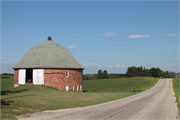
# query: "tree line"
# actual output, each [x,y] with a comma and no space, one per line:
[153,72]
[102,75]
[10,74]
[133,72]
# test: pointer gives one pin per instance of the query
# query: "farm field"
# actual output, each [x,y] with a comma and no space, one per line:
[33,98]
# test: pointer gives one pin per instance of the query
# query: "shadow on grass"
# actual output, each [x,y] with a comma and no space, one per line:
[6,92]
[5,102]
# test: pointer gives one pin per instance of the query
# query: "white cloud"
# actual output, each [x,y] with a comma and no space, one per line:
[80,35]
[104,66]
[109,34]
[170,35]
[138,36]
[72,47]
[111,66]
[7,64]
[123,66]
[117,65]
[93,63]
[4,59]
[85,65]
[99,65]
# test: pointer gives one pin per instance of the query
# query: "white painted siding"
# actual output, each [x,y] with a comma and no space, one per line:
[67,88]
[77,87]
[38,76]
[22,76]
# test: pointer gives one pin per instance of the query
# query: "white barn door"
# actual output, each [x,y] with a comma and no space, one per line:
[38,76]
[22,76]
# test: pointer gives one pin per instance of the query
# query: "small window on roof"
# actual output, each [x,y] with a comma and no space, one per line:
[67,74]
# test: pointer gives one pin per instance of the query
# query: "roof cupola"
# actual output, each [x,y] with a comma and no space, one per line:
[49,38]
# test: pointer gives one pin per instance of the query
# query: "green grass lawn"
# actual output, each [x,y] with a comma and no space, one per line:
[176,90]
[33,98]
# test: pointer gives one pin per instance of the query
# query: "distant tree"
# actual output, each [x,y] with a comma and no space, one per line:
[100,74]
[159,72]
[140,71]
[152,72]
[168,75]
[172,74]
[146,71]
[105,74]
[165,74]
[8,74]
[85,77]
[135,72]
[132,72]
[129,72]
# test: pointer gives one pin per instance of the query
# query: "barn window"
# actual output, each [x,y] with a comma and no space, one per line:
[67,74]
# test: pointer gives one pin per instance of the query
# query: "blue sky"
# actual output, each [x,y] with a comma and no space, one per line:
[103,35]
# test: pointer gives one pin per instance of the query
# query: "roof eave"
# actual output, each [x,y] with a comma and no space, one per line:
[47,68]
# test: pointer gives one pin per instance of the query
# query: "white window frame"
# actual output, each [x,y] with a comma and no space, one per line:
[67,73]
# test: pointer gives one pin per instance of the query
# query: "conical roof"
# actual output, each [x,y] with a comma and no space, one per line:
[48,54]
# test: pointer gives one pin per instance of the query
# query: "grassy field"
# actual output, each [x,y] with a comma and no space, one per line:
[135,84]
[176,90]
[33,98]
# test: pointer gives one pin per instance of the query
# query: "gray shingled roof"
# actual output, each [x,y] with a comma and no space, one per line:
[48,55]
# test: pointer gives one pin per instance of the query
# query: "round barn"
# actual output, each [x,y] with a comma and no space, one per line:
[49,64]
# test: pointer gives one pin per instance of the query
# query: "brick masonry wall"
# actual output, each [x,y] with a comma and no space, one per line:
[57,78]
[16,76]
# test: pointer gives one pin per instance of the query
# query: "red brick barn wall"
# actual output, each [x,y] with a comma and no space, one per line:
[16,76]
[57,78]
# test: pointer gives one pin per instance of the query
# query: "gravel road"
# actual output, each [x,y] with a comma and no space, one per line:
[159,102]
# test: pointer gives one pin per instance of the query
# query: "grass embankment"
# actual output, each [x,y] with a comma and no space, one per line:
[176,90]
[33,98]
